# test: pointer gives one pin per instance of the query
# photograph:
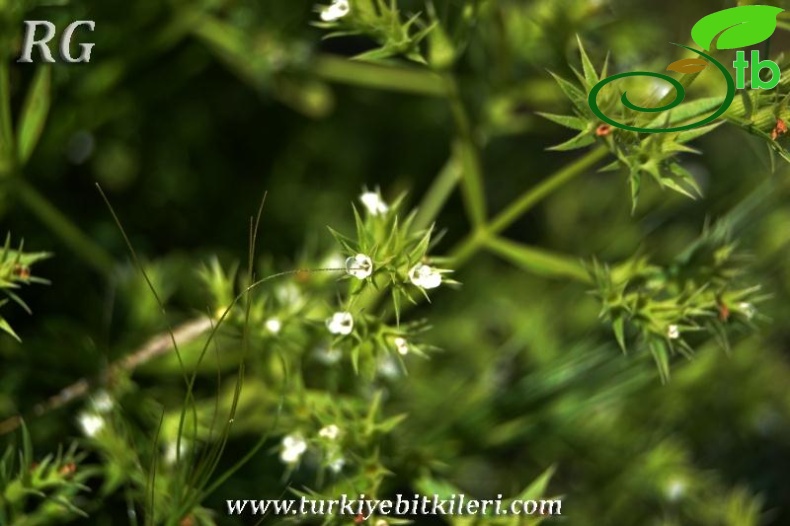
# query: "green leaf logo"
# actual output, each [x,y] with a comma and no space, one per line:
[738,27]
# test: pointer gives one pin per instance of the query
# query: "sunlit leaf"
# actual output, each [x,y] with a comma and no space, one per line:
[34,113]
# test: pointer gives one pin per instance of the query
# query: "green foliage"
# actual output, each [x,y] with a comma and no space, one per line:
[700,291]
[639,155]
[350,360]
[14,272]
[40,492]
[381,20]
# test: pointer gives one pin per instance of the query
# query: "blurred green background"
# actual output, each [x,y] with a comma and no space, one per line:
[184,137]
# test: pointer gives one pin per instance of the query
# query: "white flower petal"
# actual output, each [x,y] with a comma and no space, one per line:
[673,332]
[359,266]
[170,451]
[102,402]
[425,277]
[388,368]
[675,490]
[90,423]
[748,309]
[330,432]
[273,325]
[327,356]
[337,10]
[374,204]
[289,295]
[337,464]
[402,345]
[293,447]
[340,323]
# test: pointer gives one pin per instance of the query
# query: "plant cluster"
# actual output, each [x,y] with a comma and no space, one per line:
[338,371]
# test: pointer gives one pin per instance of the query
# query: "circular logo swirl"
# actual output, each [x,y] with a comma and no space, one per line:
[680,94]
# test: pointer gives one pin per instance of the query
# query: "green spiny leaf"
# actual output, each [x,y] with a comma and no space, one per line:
[661,356]
[34,113]
[537,490]
[590,75]
[618,325]
[575,123]
[5,327]
[578,141]
[577,96]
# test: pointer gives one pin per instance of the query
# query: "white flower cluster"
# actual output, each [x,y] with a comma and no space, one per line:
[92,421]
[294,446]
[337,10]
[361,265]
[421,275]
[330,432]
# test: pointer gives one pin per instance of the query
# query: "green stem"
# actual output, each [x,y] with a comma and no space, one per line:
[391,78]
[539,261]
[528,200]
[93,254]
[438,193]
[472,170]
[7,156]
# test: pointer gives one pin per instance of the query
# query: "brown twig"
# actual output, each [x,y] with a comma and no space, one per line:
[156,346]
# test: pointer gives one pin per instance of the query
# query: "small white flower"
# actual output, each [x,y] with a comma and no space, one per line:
[330,432]
[289,295]
[337,10]
[374,204]
[273,325]
[673,332]
[388,368]
[675,489]
[336,465]
[359,266]
[171,449]
[402,345]
[293,447]
[90,423]
[340,323]
[425,277]
[748,309]
[327,356]
[102,402]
